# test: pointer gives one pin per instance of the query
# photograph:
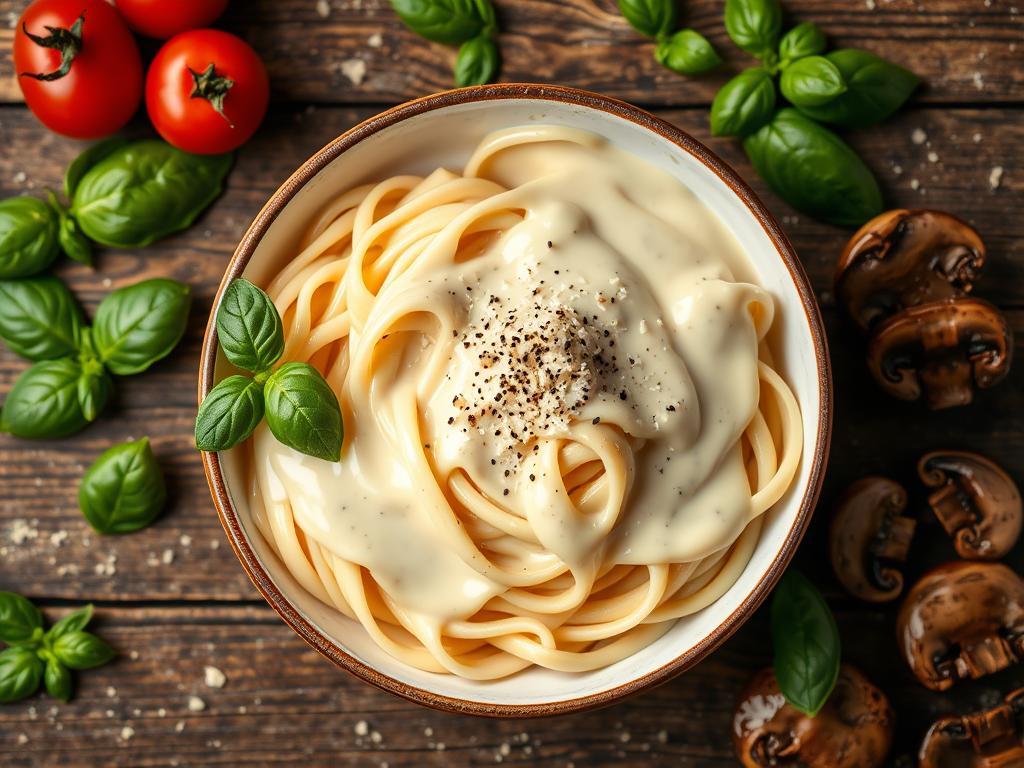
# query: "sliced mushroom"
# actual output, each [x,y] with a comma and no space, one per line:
[942,351]
[962,620]
[853,730]
[904,258]
[975,500]
[869,533]
[990,739]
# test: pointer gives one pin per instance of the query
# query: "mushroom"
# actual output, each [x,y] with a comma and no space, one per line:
[853,730]
[903,258]
[975,500]
[962,620]
[868,534]
[990,739]
[942,350]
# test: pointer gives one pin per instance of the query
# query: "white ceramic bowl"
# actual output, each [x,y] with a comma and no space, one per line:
[441,130]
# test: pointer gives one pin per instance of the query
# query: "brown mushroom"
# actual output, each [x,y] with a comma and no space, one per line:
[903,258]
[975,500]
[853,730]
[962,620]
[868,534]
[990,739]
[942,350]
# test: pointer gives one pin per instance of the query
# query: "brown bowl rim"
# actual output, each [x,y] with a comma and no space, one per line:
[222,500]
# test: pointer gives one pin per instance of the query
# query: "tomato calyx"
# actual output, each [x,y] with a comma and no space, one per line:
[67,41]
[212,87]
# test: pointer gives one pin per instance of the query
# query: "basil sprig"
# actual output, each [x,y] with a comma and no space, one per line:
[124,490]
[685,51]
[37,656]
[806,643]
[300,407]
[470,24]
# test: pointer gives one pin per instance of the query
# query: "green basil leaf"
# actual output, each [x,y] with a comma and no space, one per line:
[58,680]
[94,390]
[477,62]
[19,618]
[249,327]
[687,52]
[82,650]
[39,318]
[814,170]
[28,237]
[20,673]
[806,643]
[805,39]
[812,81]
[486,10]
[229,414]
[87,160]
[654,18]
[303,411]
[140,324]
[123,490]
[443,21]
[72,241]
[145,190]
[75,621]
[743,104]
[754,25]
[43,403]
[875,89]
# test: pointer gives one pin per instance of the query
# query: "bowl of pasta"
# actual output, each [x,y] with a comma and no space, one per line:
[585,392]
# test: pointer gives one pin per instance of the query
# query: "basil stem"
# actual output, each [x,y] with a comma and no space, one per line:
[303,411]
[249,327]
[28,237]
[39,318]
[123,491]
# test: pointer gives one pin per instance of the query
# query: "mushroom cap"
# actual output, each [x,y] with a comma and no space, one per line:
[941,351]
[977,503]
[993,738]
[868,533]
[853,730]
[903,258]
[962,620]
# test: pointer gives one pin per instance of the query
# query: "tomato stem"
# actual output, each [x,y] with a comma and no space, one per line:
[67,41]
[212,87]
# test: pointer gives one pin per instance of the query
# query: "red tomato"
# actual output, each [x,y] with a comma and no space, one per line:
[207,91]
[100,85]
[166,18]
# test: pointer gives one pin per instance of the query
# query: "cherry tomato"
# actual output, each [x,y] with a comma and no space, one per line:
[164,19]
[207,91]
[78,66]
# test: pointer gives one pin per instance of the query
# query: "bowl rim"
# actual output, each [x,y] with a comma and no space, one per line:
[527,92]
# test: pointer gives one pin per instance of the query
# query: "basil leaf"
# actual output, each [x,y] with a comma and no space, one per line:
[743,104]
[123,490]
[28,237]
[806,643]
[303,411]
[39,318]
[74,622]
[72,241]
[443,21]
[812,81]
[654,18]
[20,673]
[145,190]
[43,402]
[805,39]
[94,389]
[249,327]
[57,679]
[82,650]
[19,618]
[87,160]
[814,170]
[687,52]
[229,414]
[754,25]
[875,89]
[477,62]
[486,10]
[140,324]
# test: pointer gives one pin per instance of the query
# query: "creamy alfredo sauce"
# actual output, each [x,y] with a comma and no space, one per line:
[614,260]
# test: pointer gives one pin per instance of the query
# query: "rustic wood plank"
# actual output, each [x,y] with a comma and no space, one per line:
[966,50]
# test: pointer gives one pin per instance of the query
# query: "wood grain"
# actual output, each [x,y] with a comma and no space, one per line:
[966,50]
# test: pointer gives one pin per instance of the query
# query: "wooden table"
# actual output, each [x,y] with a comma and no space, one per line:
[173,599]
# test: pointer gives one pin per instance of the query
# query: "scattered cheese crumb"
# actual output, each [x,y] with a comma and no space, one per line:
[918,136]
[915,184]
[214,544]
[185,540]
[127,732]
[111,691]
[995,177]
[323,8]
[428,731]
[22,738]
[179,726]
[58,537]
[976,138]
[133,655]
[440,746]
[167,557]
[354,70]
[979,81]
[161,712]
[107,282]
[624,737]
[933,157]
[19,177]
[107,566]
[662,737]
[897,169]
[195,704]
[214,677]
[362,728]
[375,40]
[505,749]
[375,737]
[870,4]
[22,530]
